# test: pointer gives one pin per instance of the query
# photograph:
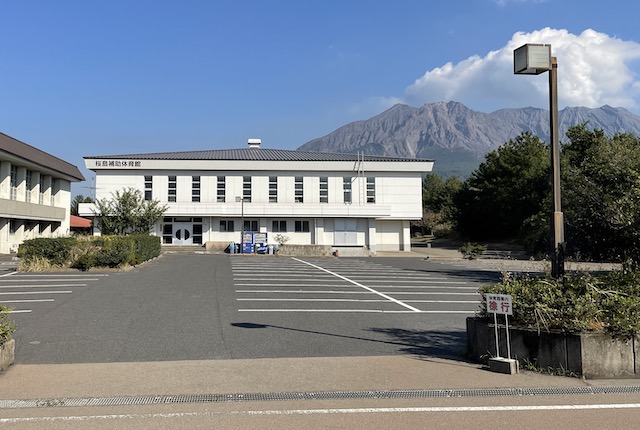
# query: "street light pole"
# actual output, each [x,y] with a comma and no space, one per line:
[557,262]
[533,59]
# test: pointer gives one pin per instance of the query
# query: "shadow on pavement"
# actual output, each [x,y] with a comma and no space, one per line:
[419,343]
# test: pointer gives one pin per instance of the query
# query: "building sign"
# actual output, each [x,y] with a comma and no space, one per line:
[136,164]
[499,304]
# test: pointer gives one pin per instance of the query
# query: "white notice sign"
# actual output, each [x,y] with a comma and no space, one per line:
[499,304]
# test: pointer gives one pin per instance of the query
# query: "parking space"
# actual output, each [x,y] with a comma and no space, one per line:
[26,293]
[309,285]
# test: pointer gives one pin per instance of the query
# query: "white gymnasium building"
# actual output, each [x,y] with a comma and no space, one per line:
[35,193]
[313,198]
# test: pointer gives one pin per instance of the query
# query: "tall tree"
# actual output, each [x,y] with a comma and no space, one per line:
[509,187]
[601,178]
[437,201]
[127,212]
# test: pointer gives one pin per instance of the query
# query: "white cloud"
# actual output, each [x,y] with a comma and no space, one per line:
[593,70]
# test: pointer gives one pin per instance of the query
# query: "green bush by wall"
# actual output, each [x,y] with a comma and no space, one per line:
[85,253]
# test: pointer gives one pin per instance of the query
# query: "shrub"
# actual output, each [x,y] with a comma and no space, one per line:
[471,250]
[56,250]
[146,246]
[34,264]
[87,252]
[116,251]
[578,303]
[7,326]
[84,262]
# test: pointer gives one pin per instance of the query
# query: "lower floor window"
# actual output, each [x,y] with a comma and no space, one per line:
[279,226]
[226,225]
[250,225]
[302,226]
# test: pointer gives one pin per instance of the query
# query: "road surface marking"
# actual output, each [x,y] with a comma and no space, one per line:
[360,285]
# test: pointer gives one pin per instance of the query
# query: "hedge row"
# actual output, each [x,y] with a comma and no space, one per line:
[578,303]
[86,252]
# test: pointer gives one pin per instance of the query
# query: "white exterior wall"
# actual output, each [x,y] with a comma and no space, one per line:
[382,225]
[23,217]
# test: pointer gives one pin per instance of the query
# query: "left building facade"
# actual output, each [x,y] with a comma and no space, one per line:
[35,193]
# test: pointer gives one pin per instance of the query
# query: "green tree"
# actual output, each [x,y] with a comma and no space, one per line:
[76,201]
[438,201]
[127,213]
[510,186]
[601,195]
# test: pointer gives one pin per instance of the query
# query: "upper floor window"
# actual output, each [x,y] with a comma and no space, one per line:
[41,193]
[299,189]
[246,189]
[324,189]
[371,190]
[273,189]
[29,180]
[13,194]
[148,187]
[195,188]
[55,187]
[173,188]
[221,191]
[346,189]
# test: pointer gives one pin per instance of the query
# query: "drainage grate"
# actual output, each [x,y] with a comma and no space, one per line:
[319,395]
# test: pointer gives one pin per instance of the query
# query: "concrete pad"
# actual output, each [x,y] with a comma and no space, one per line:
[508,366]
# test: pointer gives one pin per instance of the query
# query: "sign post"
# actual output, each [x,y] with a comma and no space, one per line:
[501,304]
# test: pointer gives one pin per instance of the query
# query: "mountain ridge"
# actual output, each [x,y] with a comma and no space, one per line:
[460,136]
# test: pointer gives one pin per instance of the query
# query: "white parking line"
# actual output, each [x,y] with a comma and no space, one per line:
[43,286]
[26,301]
[36,292]
[298,285]
[311,300]
[21,311]
[66,275]
[360,285]
[351,292]
[361,311]
[50,280]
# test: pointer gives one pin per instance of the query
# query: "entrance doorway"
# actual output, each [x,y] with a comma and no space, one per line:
[182,233]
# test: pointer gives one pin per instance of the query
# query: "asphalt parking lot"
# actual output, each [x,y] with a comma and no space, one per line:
[211,306]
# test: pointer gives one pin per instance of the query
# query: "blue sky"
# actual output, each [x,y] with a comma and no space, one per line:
[85,77]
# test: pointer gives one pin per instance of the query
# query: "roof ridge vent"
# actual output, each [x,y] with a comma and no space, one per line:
[254,143]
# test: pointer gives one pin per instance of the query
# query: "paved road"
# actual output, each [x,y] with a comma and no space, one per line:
[209,306]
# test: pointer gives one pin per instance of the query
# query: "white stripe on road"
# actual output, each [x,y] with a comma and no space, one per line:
[49,280]
[360,285]
[353,292]
[427,287]
[43,286]
[26,301]
[22,311]
[36,292]
[362,311]
[66,275]
[312,300]
[355,300]
[398,279]
[334,411]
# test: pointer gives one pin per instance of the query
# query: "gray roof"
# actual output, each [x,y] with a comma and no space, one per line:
[29,153]
[254,154]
